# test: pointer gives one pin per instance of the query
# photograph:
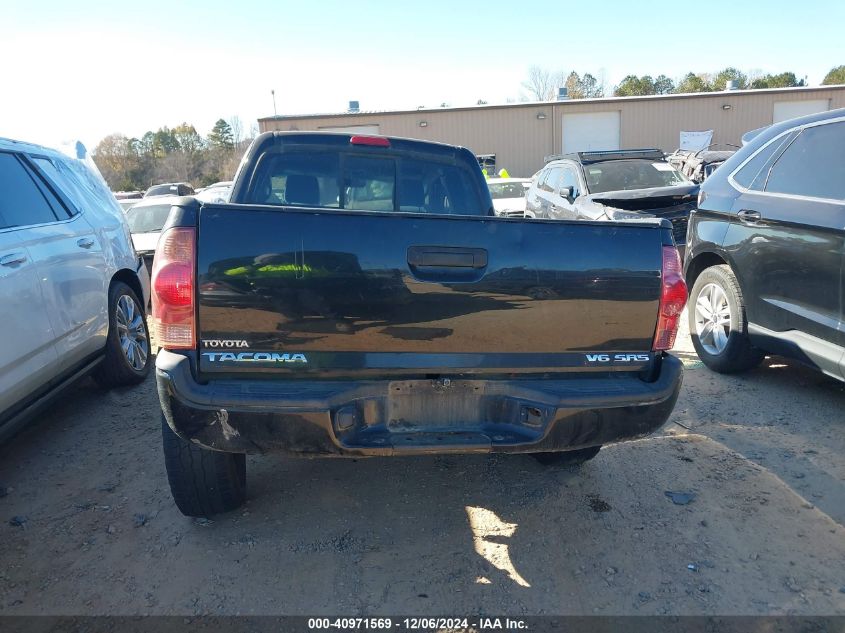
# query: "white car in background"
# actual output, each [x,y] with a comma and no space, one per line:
[509,196]
[146,219]
[218,193]
[72,289]
[127,203]
[128,199]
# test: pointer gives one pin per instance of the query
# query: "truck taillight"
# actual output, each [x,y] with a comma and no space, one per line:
[375,141]
[673,297]
[173,289]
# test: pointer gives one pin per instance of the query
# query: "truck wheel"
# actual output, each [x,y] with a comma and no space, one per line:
[718,325]
[203,482]
[567,458]
[127,357]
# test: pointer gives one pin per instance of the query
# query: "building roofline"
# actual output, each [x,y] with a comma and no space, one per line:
[535,104]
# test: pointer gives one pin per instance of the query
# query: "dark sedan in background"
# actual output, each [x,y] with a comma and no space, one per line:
[170,189]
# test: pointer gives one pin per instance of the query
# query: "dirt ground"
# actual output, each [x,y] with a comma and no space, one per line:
[89,527]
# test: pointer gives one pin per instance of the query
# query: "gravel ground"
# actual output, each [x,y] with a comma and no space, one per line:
[88,525]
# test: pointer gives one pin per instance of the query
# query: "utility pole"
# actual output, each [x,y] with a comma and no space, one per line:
[273,92]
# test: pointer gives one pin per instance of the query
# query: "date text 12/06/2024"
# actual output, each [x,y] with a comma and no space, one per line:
[418,624]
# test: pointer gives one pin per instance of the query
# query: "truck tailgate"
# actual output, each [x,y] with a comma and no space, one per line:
[289,292]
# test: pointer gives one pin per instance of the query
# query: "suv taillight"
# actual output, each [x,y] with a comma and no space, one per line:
[673,297]
[173,289]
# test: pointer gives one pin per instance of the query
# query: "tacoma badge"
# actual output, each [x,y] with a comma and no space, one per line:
[255,357]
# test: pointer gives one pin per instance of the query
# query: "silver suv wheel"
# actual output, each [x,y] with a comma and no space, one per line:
[712,318]
[132,332]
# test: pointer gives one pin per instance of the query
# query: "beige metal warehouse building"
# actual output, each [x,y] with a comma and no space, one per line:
[520,135]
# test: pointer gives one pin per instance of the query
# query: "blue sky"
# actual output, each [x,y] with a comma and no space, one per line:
[85,69]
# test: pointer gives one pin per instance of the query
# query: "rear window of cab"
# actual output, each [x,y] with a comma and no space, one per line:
[363,182]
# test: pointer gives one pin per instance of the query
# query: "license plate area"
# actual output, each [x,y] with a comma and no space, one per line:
[435,404]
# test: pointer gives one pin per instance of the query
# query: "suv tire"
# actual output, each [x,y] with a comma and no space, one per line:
[718,324]
[127,358]
[203,482]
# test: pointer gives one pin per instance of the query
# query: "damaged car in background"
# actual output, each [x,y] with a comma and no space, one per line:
[613,185]
[699,165]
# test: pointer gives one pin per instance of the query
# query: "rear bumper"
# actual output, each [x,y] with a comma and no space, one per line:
[360,418]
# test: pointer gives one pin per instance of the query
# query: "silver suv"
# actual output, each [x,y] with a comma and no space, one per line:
[72,289]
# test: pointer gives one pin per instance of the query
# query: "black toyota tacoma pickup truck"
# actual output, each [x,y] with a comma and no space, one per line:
[358,297]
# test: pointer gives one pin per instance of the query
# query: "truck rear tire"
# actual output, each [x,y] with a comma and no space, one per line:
[203,482]
[717,322]
[567,458]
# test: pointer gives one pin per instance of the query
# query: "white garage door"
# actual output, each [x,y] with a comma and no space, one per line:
[790,109]
[588,131]
[353,129]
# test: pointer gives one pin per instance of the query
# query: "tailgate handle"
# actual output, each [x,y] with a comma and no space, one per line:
[447,257]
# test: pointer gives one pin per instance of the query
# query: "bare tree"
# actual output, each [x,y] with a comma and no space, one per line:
[237,127]
[754,74]
[542,84]
[602,82]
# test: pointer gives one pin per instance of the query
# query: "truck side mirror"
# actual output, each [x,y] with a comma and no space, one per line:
[567,192]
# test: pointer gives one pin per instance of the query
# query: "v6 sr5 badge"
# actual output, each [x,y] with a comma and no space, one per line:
[593,359]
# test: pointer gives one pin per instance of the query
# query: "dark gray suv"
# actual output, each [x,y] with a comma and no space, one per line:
[766,250]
